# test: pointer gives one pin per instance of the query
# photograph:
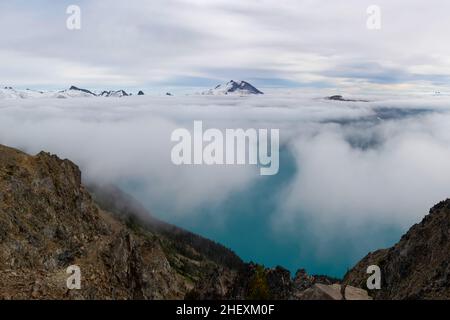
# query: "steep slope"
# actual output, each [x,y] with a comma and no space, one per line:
[418,266]
[49,221]
[125,207]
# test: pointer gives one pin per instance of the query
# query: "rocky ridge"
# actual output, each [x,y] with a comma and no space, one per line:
[418,266]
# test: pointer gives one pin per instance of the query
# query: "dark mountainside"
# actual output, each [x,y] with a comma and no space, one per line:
[49,221]
[82,90]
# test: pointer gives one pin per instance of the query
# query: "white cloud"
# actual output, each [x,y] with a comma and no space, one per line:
[403,172]
[147,43]
[354,173]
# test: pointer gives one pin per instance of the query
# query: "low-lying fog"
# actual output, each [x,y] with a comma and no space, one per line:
[353,175]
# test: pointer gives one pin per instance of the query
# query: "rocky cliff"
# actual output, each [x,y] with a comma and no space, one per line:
[49,221]
[418,266]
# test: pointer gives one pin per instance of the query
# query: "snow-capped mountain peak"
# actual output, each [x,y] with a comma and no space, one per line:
[234,87]
[117,93]
[74,92]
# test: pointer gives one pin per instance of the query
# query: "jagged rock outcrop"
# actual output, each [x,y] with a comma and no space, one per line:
[418,266]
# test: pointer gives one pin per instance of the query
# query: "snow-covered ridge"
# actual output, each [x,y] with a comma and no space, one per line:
[118,93]
[239,88]
[233,87]
[72,92]
[11,93]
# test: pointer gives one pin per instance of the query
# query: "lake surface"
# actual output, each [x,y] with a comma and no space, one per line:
[246,226]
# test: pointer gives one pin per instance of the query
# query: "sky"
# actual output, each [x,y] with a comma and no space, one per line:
[197,43]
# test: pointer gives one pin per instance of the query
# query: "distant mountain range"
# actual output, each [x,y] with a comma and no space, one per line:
[234,88]
[239,88]
[72,92]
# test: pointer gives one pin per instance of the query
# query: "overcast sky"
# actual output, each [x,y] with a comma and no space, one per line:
[298,43]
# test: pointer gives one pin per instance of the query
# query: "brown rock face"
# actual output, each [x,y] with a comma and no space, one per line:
[418,266]
[49,221]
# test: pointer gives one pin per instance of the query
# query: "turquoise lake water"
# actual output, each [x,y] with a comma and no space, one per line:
[246,228]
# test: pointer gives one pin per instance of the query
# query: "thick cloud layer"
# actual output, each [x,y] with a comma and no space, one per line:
[383,161]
